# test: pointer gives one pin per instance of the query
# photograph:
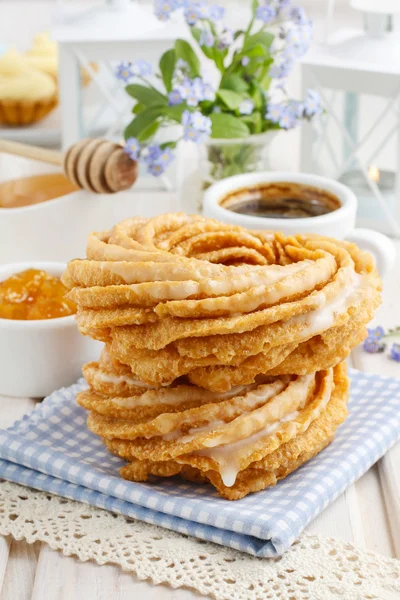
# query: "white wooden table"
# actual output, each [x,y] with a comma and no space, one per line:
[367,514]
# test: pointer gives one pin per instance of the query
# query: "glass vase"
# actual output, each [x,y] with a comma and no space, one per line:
[221,158]
[201,166]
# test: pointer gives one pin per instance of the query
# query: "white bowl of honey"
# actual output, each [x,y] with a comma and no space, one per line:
[41,348]
[45,217]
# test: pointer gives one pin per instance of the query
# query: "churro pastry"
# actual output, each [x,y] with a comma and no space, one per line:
[224,348]
[182,295]
[240,441]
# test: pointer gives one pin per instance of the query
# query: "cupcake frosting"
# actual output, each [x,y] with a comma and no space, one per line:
[20,81]
[43,54]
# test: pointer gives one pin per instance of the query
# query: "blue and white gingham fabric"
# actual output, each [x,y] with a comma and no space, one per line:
[52,450]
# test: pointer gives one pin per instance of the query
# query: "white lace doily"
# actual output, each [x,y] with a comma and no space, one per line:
[314,568]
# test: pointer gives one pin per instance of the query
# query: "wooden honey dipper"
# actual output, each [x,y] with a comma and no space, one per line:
[94,164]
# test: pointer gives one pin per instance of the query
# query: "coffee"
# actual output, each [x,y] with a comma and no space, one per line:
[281,200]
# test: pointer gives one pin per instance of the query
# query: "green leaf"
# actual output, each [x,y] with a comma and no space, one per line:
[235,83]
[254,121]
[145,95]
[175,112]
[148,132]
[142,121]
[262,37]
[138,108]
[227,126]
[185,51]
[231,99]
[196,33]
[167,67]
[219,57]
[257,95]
[265,82]
[258,50]
[168,145]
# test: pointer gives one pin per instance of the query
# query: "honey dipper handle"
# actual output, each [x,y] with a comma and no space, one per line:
[52,157]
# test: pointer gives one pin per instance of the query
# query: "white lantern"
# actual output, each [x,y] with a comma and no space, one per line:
[358,140]
[92,39]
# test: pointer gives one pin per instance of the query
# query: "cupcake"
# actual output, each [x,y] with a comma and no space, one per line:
[26,94]
[43,55]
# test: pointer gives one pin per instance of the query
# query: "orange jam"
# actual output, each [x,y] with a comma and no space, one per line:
[34,295]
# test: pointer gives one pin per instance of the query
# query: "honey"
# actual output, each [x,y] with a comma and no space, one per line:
[34,295]
[34,190]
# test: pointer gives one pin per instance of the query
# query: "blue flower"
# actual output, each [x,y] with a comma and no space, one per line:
[246,107]
[281,70]
[288,119]
[195,91]
[226,39]
[157,159]
[166,156]
[274,112]
[198,89]
[373,346]
[298,40]
[151,153]
[313,107]
[285,115]
[124,71]
[142,68]
[206,39]
[132,148]
[196,127]
[203,10]
[164,8]
[245,61]
[191,15]
[299,15]
[296,108]
[266,13]
[185,88]
[174,98]
[181,65]
[217,12]
[155,169]
[377,333]
[395,352]
[208,92]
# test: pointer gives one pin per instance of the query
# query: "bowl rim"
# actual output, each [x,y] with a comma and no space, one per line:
[52,267]
[39,205]
[220,189]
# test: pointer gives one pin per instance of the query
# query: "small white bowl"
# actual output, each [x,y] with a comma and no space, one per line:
[38,357]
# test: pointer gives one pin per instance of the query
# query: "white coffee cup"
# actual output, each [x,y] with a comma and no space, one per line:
[339,223]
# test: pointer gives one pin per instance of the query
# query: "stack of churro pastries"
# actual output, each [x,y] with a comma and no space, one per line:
[224,348]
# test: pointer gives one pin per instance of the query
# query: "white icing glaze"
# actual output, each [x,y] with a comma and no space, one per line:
[207,278]
[178,396]
[112,378]
[228,456]
[261,395]
[323,318]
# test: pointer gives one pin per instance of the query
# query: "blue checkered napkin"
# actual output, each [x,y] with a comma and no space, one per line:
[52,450]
